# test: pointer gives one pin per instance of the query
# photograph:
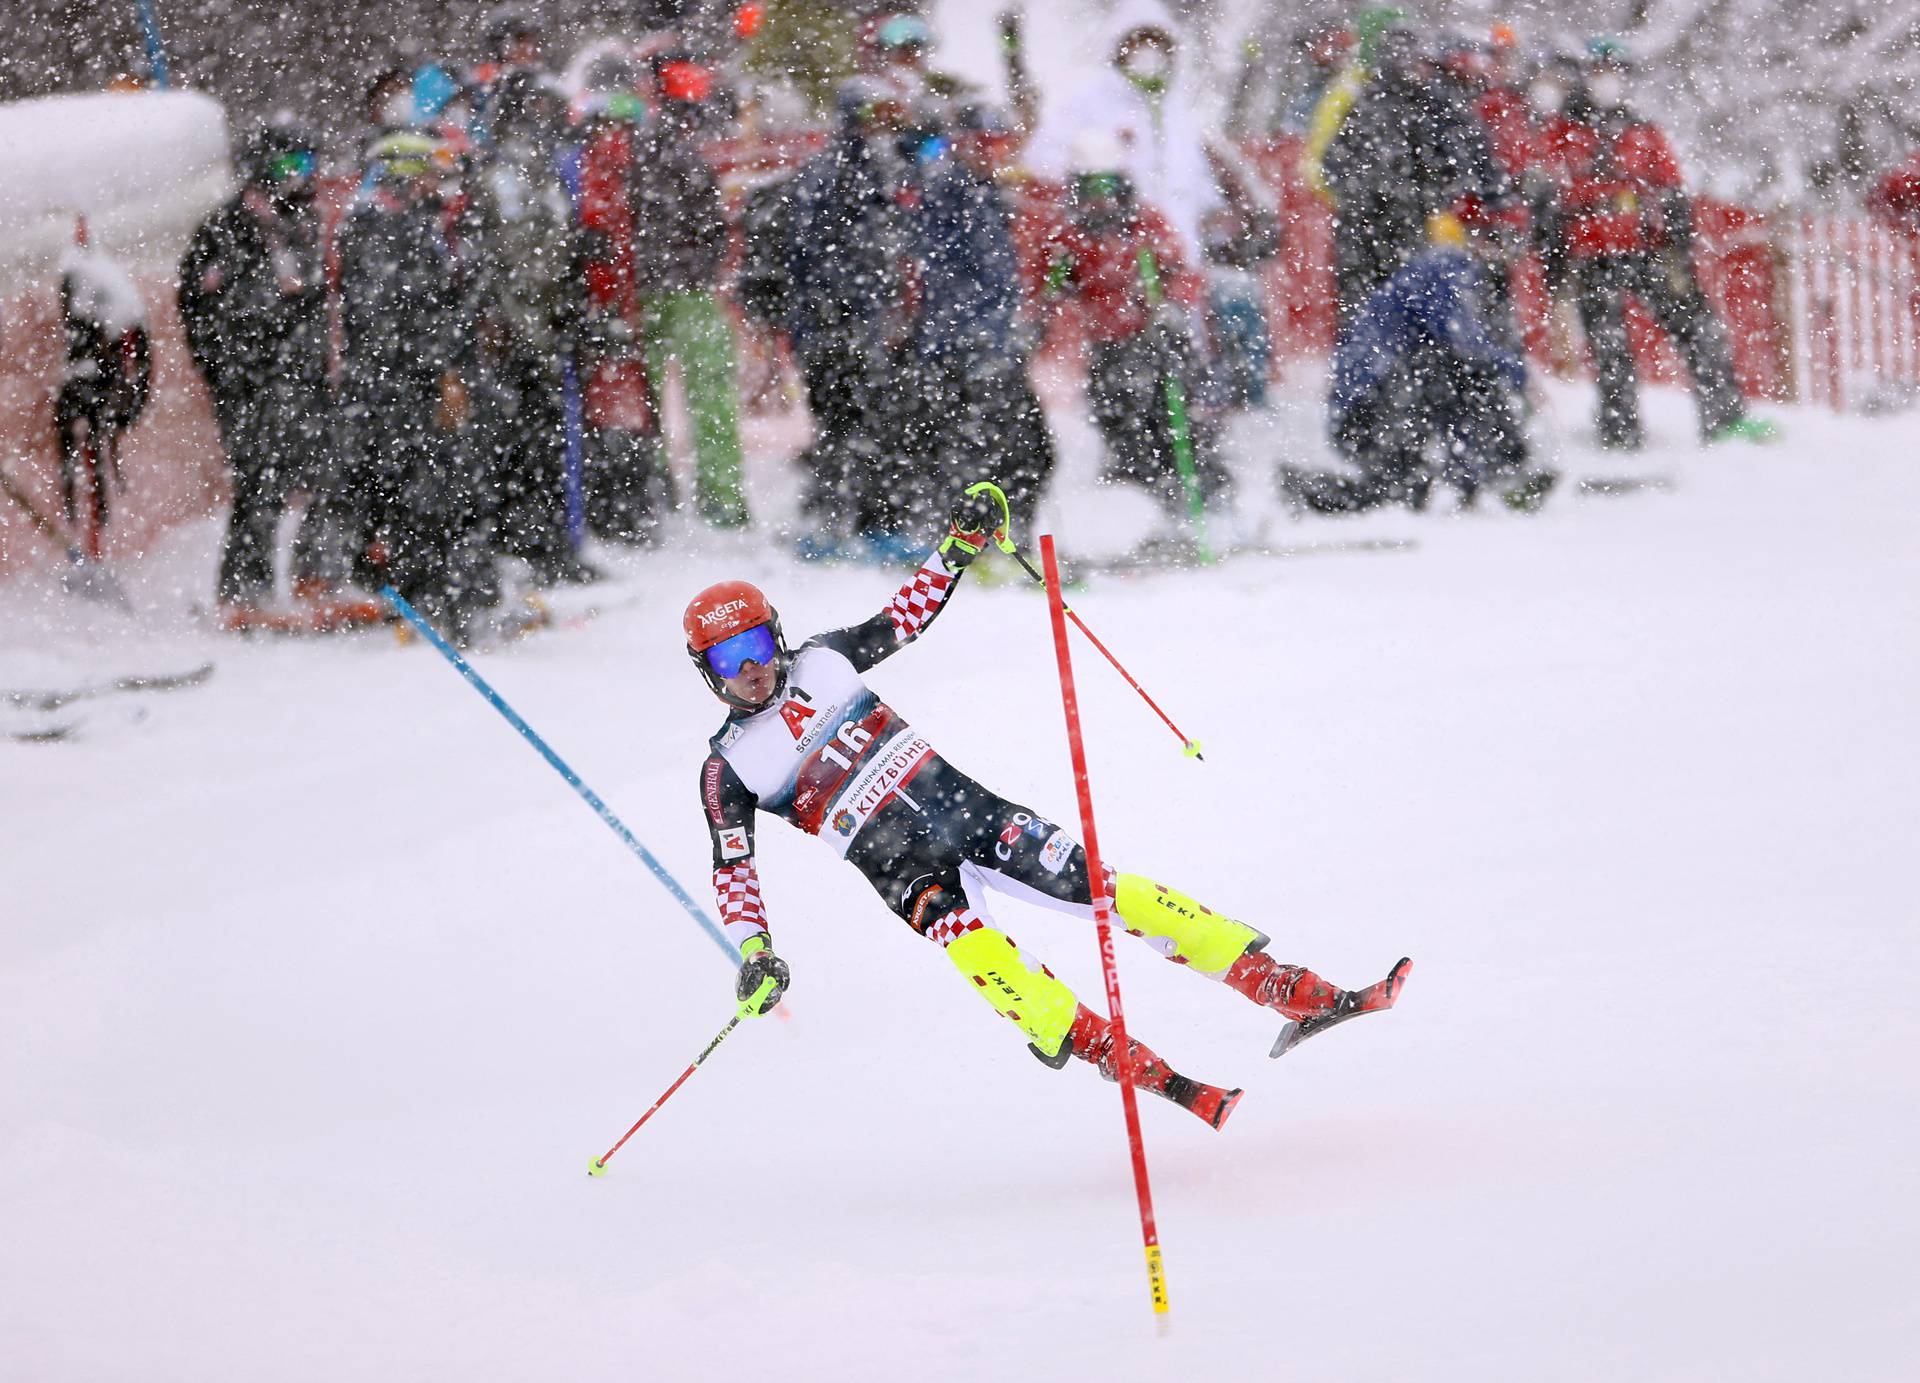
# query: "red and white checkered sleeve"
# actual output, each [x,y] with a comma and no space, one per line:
[741,914]
[915,604]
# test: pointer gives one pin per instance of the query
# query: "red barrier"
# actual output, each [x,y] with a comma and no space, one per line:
[1854,307]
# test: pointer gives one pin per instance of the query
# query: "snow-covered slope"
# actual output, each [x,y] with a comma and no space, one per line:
[318,990]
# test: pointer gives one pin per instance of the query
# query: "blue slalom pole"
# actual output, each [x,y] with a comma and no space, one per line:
[156,46]
[592,799]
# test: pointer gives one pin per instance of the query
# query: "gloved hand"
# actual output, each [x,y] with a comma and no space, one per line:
[762,980]
[980,516]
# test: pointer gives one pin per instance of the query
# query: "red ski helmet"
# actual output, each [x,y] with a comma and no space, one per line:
[720,612]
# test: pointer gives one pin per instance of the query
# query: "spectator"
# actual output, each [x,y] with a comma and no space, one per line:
[1421,381]
[1895,199]
[409,317]
[253,301]
[108,373]
[1106,256]
[628,488]
[522,215]
[1136,104]
[1626,227]
[679,247]
[515,46]
[843,251]
[976,413]
[1406,151]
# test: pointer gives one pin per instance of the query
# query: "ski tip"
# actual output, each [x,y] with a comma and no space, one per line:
[596,1168]
[1227,1104]
[1289,1032]
[1397,979]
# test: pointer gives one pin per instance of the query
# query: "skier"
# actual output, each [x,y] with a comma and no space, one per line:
[806,740]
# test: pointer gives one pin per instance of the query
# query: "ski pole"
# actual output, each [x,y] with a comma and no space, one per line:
[85,578]
[1189,746]
[587,794]
[598,1167]
[1177,416]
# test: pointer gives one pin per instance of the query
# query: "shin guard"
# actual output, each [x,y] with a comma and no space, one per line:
[1182,930]
[1018,987]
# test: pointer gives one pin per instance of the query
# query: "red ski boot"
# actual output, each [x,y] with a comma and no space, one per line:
[1293,990]
[1375,998]
[1091,1039]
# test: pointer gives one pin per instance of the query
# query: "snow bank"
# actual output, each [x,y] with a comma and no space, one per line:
[143,167]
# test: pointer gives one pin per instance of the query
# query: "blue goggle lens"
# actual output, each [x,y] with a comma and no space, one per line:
[755,645]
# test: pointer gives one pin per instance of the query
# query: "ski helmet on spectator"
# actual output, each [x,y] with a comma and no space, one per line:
[728,625]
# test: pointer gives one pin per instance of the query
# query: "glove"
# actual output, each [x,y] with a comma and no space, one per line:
[980,515]
[762,969]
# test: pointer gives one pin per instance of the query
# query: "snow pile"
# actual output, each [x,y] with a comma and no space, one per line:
[142,167]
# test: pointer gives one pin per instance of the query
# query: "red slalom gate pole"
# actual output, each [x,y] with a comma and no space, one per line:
[1103,922]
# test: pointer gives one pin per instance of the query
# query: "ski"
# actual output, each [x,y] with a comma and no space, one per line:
[1151,558]
[1375,998]
[45,701]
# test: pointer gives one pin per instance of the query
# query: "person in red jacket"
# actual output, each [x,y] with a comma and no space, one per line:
[1624,223]
[1895,199]
[1137,318]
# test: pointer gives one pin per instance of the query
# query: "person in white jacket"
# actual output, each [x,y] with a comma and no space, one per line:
[1137,103]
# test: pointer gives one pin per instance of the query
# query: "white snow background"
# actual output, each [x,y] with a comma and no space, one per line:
[319,990]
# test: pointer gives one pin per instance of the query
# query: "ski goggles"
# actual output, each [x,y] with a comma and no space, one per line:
[755,645]
[294,165]
[1090,187]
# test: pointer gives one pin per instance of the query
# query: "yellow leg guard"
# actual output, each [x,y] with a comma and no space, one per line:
[1185,930]
[1017,986]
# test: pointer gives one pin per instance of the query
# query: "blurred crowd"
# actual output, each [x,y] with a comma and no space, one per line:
[1451,160]
[453,332]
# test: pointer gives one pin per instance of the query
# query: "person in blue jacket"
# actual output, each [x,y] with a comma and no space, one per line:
[1422,382]
[971,406]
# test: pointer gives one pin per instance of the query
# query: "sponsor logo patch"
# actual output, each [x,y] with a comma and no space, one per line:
[721,612]
[733,842]
[1053,855]
[843,822]
[928,895]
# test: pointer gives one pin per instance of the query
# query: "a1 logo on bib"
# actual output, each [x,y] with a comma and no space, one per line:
[733,842]
[796,713]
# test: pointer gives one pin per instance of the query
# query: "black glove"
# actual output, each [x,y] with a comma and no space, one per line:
[761,965]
